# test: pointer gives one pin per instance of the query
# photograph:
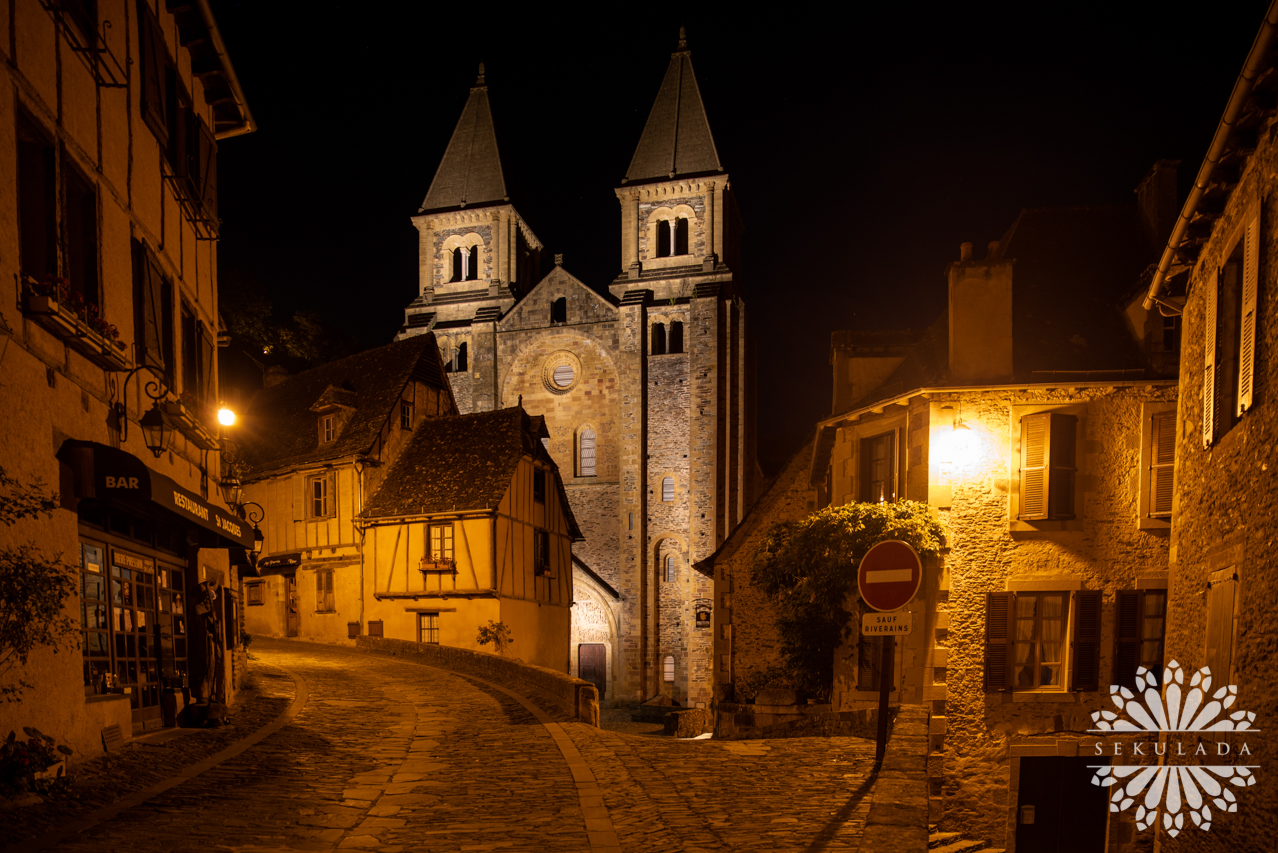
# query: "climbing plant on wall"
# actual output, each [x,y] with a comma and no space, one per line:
[807,569]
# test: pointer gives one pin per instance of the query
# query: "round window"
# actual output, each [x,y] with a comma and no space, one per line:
[560,372]
[563,375]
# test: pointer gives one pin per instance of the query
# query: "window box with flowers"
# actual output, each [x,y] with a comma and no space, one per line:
[182,414]
[52,303]
[438,565]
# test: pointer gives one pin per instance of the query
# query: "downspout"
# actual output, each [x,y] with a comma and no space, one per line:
[247,125]
[1242,89]
[359,544]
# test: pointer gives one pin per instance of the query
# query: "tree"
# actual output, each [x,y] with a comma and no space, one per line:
[33,588]
[808,568]
[497,633]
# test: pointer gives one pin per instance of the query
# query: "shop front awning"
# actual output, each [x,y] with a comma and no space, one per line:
[279,564]
[100,471]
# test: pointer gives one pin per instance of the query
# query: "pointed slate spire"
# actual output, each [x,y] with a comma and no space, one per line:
[470,172]
[676,140]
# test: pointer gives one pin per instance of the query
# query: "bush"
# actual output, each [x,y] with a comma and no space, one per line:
[497,633]
[21,762]
[808,568]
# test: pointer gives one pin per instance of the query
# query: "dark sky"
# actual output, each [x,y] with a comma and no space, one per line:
[864,145]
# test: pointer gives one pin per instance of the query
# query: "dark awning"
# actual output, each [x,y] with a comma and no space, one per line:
[279,564]
[105,472]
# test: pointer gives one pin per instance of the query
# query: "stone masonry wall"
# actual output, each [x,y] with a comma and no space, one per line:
[668,520]
[1226,507]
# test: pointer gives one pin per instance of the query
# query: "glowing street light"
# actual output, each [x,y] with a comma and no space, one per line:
[225,417]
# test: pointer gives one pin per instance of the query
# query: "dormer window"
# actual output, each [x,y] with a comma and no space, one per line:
[328,428]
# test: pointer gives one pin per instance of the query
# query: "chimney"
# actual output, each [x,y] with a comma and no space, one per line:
[981,318]
[1156,203]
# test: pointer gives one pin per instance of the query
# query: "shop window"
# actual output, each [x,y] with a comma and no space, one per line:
[559,310]
[878,468]
[405,415]
[324,599]
[663,238]
[586,448]
[539,485]
[1222,618]
[1229,368]
[320,493]
[153,303]
[667,489]
[1030,635]
[37,200]
[1047,466]
[675,339]
[428,628]
[1140,627]
[668,669]
[658,338]
[255,593]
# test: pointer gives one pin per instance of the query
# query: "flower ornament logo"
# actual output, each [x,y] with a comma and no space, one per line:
[1196,786]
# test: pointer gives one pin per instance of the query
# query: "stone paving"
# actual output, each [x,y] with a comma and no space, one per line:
[386,755]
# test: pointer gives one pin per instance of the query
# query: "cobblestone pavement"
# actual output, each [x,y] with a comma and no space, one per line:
[391,756]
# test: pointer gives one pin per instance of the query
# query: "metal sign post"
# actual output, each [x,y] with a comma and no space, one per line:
[888,579]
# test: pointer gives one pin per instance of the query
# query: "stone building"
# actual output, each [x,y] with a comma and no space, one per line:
[110,118]
[1034,416]
[646,386]
[390,515]
[1218,273]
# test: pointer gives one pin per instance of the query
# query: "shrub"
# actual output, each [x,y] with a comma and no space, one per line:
[808,568]
[21,762]
[497,633]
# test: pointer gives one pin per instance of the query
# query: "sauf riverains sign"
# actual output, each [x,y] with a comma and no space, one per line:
[1194,749]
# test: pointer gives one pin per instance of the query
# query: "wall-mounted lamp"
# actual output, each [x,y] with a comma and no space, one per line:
[225,416]
[156,430]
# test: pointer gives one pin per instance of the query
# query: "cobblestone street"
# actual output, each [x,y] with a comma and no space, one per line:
[384,755]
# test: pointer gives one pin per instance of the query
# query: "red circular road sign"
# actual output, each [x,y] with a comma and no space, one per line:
[890,575]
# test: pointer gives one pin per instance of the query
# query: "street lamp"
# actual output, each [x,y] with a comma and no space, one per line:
[156,431]
[232,491]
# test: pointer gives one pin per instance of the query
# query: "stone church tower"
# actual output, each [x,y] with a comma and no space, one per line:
[647,390]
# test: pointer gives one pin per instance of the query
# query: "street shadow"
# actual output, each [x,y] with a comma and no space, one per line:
[823,838]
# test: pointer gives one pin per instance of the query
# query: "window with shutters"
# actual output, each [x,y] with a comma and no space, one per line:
[658,338]
[37,201]
[155,73]
[1222,618]
[1158,457]
[586,453]
[153,304]
[1042,641]
[80,234]
[319,494]
[1230,300]
[878,468]
[1139,629]
[1047,466]
[667,488]
[324,599]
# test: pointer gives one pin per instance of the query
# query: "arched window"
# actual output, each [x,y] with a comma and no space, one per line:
[663,238]
[457,265]
[459,358]
[667,488]
[559,310]
[586,468]
[681,236]
[667,668]
[472,264]
[675,341]
[658,338]
[670,569]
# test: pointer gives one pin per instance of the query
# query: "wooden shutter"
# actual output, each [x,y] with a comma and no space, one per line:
[208,168]
[1247,329]
[1084,664]
[299,497]
[332,494]
[1220,629]
[998,641]
[1034,471]
[1127,637]
[208,369]
[1162,468]
[150,304]
[1209,357]
[154,65]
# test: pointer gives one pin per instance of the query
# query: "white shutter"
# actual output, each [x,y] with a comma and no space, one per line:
[667,489]
[1247,331]
[299,497]
[587,453]
[1209,358]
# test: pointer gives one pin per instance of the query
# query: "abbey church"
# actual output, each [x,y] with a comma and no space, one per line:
[646,383]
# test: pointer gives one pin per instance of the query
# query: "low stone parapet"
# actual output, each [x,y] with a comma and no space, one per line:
[577,698]
[688,722]
[898,815]
[739,721]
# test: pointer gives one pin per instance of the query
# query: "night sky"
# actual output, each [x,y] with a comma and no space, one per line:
[863,145]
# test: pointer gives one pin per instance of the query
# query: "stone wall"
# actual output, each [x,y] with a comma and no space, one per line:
[898,818]
[1226,507]
[747,721]
[576,698]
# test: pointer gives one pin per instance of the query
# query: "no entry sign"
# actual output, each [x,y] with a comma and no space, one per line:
[890,575]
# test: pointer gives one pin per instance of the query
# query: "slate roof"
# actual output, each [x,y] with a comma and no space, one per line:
[281,430]
[1074,265]
[470,173]
[676,140]
[463,463]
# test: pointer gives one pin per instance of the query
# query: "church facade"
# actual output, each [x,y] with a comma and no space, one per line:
[646,385]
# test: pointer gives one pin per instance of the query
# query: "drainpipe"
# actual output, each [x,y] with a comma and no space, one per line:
[359,544]
[1242,88]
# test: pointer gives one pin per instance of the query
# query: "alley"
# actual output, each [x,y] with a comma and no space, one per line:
[392,756]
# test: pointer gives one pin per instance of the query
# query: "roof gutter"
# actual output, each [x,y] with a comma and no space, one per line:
[1237,99]
[247,125]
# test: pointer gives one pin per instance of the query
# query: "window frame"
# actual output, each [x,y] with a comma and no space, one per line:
[328,496]
[328,428]
[587,439]
[428,627]
[1080,639]
[255,593]
[37,222]
[864,487]
[446,540]
[1157,473]
[542,565]
[325,593]
[669,669]
[405,415]
[1130,627]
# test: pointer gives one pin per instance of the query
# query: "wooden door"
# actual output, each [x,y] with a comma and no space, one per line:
[1059,810]
[592,666]
[290,605]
